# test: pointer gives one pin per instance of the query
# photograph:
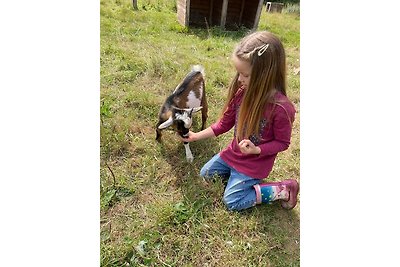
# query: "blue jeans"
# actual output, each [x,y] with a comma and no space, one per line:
[239,192]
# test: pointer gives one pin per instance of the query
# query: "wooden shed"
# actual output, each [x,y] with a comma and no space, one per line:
[229,14]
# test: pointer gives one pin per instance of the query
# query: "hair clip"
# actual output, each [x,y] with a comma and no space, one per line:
[262,49]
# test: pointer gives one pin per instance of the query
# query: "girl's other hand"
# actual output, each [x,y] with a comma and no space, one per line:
[247,147]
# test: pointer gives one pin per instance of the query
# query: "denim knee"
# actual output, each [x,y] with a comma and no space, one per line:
[204,172]
[230,205]
[237,197]
[238,205]
[215,166]
[231,202]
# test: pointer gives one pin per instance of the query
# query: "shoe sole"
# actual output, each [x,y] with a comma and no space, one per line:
[293,191]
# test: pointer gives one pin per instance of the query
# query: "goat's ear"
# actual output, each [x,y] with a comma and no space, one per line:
[166,123]
[196,109]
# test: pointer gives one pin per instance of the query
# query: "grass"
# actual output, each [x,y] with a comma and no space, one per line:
[155,209]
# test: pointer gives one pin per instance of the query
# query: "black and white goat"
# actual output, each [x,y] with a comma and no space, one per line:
[188,97]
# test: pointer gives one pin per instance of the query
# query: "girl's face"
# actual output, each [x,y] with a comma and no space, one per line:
[244,70]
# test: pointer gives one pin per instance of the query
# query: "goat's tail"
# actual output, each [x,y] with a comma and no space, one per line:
[199,68]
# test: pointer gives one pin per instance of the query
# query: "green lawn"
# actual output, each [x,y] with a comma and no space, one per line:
[155,209]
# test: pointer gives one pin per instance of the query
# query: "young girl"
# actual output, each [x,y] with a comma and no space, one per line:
[262,115]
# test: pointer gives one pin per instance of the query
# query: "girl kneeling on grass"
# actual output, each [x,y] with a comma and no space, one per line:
[262,114]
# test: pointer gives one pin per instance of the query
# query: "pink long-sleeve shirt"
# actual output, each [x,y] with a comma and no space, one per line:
[274,136]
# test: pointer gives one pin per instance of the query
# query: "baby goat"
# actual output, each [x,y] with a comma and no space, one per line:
[188,97]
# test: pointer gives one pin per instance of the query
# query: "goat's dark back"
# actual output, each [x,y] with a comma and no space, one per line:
[192,81]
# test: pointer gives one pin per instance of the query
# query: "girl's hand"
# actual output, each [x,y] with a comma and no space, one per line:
[206,133]
[247,147]
[190,138]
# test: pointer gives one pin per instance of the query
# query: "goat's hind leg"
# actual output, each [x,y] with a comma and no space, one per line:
[204,115]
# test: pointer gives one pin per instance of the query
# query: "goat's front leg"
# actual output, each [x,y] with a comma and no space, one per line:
[158,134]
[189,155]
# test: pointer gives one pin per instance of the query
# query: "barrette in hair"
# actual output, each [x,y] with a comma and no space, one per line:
[262,49]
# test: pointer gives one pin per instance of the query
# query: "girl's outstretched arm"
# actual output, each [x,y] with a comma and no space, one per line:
[206,133]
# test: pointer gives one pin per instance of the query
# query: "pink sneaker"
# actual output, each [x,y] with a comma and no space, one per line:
[293,187]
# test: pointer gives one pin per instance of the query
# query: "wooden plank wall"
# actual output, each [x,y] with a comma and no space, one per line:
[239,12]
[243,13]
[199,11]
[233,13]
[249,13]
[216,13]
[258,14]
[181,12]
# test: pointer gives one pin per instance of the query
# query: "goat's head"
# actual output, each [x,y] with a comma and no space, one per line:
[180,120]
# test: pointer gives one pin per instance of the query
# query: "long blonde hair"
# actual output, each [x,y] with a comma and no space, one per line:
[265,53]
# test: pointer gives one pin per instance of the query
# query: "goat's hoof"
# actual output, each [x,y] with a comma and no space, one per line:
[189,160]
